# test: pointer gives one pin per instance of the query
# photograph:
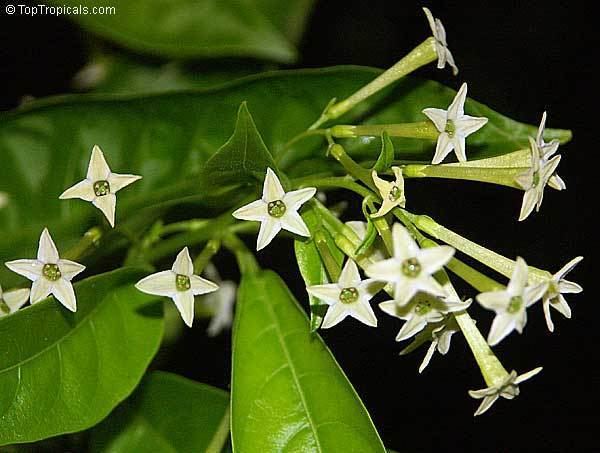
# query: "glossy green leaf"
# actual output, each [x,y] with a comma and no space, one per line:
[62,372]
[46,145]
[288,392]
[386,156]
[166,414]
[244,158]
[310,262]
[198,28]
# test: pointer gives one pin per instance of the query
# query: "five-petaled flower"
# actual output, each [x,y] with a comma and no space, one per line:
[454,127]
[511,303]
[555,287]
[423,309]
[180,284]
[547,150]
[100,185]
[508,388]
[350,296]
[441,46]
[49,273]
[11,301]
[411,269]
[392,193]
[534,180]
[276,210]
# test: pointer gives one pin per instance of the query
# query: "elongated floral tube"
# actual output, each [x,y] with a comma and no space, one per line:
[421,55]
[501,176]
[420,130]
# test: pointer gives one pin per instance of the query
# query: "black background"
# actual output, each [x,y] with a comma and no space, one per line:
[520,58]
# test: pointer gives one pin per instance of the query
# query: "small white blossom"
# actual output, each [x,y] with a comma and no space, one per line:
[11,301]
[439,334]
[441,46]
[423,309]
[276,210]
[180,284]
[350,296]
[392,193]
[547,150]
[411,269]
[454,127]
[511,304]
[508,388]
[49,273]
[100,185]
[555,287]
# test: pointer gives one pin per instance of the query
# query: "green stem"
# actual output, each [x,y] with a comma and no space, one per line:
[355,170]
[210,249]
[287,147]
[421,55]
[245,259]
[330,263]
[86,244]
[420,130]
[501,176]
[338,182]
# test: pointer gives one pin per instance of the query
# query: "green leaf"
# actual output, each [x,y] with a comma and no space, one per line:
[46,145]
[167,413]
[386,157]
[288,393]
[62,372]
[310,262]
[243,159]
[197,28]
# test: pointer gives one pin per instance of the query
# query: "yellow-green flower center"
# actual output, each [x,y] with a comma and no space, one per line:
[450,128]
[182,282]
[348,295]
[101,188]
[276,208]
[411,267]
[395,193]
[51,272]
[423,308]
[515,304]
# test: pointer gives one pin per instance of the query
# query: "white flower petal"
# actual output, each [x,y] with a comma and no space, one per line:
[83,190]
[382,185]
[568,267]
[69,269]
[40,289]
[430,285]
[117,181]
[31,269]
[494,300]
[15,299]
[556,182]
[411,327]
[272,189]
[456,108]
[438,117]
[350,277]
[432,259]
[428,356]
[404,291]
[184,301]
[183,264]
[292,222]
[158,284]
[460,147]
[335,314]
[529,201]
[404,245]
[431,21]
[525,376]
[107,204]
[329,293]
[547,315]
[201,285]
[469,124]
[518,279]
[362,311]
[98,169]
[560,304]
[256,211]
[269,228]
[47,252]
[444,146]
[487,402]
[63,291]
[391,308]
[502,325]
[296,198]
[389,270]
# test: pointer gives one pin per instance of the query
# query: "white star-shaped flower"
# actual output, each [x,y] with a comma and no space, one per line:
[547,150]
[49,273]
[423,309]
[439,334]
[392,193]
[441,46]
[11,301]
[411,269]
[100,185]
[454,127]
[555,287]
[350,296]
[276,210]
[511,304]
[180,284]
[534,180]
[508,388]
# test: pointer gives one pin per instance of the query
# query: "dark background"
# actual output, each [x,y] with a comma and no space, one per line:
[520,58]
